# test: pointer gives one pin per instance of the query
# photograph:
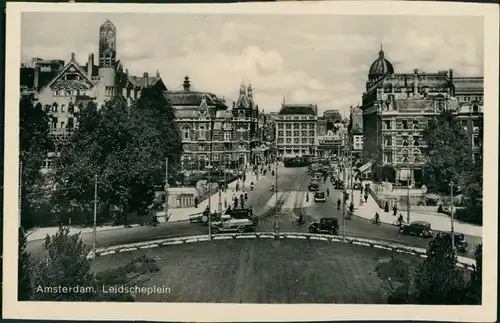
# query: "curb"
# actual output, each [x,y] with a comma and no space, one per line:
[108,229]
[463,262]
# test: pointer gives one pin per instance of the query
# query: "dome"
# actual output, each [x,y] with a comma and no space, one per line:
[381,66]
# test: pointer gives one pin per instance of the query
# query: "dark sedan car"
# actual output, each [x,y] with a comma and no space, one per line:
[325,226]
[459,240]
[417,228]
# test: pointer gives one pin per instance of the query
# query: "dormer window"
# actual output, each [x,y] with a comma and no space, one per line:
[405,141]
[475,108]
[416,141]
[405,124]
[415,124]
[241,114]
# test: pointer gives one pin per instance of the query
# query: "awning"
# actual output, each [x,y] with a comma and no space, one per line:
[365,167]
[403,174]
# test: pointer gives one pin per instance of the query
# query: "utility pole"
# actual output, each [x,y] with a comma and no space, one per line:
[408,193]
[451,216]
[95,218]
[20,189]
[166,190]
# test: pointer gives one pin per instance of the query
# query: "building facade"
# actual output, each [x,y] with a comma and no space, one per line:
[396,109]
[296,130]
[330,130]
[212,131]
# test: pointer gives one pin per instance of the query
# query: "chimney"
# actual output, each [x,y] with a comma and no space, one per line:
[90,66]
[146,80]
[186,85]
[36,77]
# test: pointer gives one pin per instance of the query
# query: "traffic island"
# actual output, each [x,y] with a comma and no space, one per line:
[257,271]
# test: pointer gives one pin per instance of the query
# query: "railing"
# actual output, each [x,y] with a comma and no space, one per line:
[463,262]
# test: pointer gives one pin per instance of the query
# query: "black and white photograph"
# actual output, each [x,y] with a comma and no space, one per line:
[246,155]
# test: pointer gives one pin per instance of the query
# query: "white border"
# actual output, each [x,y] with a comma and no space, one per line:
[249,312]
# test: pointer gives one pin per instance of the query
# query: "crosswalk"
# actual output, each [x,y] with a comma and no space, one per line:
[291,200]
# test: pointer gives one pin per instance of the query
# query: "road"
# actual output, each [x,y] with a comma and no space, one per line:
[292,190]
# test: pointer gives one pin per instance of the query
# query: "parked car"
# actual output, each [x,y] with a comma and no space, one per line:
[325,226]
[460,241]
[417,228]
[314,186]
[233,225]
[214,218]
[319,197]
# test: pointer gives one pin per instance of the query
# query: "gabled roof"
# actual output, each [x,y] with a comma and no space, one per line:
[303,109]
[141,81]
[71,66]
[192,98]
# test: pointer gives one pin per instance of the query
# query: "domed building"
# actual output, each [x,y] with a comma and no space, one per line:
[395,109]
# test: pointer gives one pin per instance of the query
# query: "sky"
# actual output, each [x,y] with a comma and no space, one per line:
[318,59]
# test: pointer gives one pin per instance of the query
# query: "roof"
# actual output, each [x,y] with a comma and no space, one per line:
[302,109]
[70,85]
[468,84]
[381,66]
[95,69]
[365,167]
[27,76]
[143,81]
[416,105]
[191,98]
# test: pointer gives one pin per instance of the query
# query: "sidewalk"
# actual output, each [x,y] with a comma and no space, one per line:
[182,214]
[176,215]
[438,221]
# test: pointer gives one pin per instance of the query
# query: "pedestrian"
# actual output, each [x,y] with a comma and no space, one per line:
[235,202]
[196,202]
[251,186]
[395,210]
[366,197]
[237,186]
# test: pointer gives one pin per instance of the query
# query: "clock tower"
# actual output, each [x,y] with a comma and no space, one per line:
[107,44]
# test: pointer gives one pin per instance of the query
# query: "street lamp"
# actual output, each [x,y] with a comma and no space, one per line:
[276,222]
[209,167]
[408,181]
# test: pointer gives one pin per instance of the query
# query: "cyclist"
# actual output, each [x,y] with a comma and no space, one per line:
[376,219]
[400,219]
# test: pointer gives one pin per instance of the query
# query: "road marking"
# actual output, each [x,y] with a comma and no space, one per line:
[290,201]
[305,202]
[272,201]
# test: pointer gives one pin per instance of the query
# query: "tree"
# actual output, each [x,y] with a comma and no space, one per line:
[438,280]
[34,144]
[65,266]
[126,148]
[449,158]
[476,281]
[24,288]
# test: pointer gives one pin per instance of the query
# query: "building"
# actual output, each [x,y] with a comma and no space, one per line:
[330,135]
[469,92]
[296,130]
[396,109]
[211,129]
[355,130]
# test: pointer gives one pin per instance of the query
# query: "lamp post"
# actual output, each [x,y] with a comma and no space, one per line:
[451,216]
[209,167]
[408,192]
[276,222]
[19,203]
[95,219]
[344,180]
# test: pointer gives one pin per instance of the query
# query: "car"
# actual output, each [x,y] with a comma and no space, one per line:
[214,218]
[325,226]
[233,225]
[194,218]
[459,241]
[320,197]
[314,186]
[417,228]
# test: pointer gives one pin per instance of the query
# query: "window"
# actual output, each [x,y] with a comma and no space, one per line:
[304,140]
[475,108]
[201,147]
[71,124]
[303,133]
[311,133]
[280,125]
[227,136]
[303,126]
[71,108]
[311,126]
[387,124]
[295,140]
[54,107]
[288,126]
[185,133]
[62,124]
[416,156]
[288,140]
[215,156]
[296,118]
[404,154]
[464,124]
[288,133]
[387,141]
[280,140]
[405,140]
[475,141]
[295,133]
[280,133]
[295,126]
[202,134]
[416,141]
[387,157]
[415,124]
[62,108]
[311,141]
[405,124]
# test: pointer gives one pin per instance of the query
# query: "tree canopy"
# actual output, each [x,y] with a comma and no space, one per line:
[34,144]
[448,154]
[125,147]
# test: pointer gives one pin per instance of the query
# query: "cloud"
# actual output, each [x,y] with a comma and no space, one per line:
[324,62]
